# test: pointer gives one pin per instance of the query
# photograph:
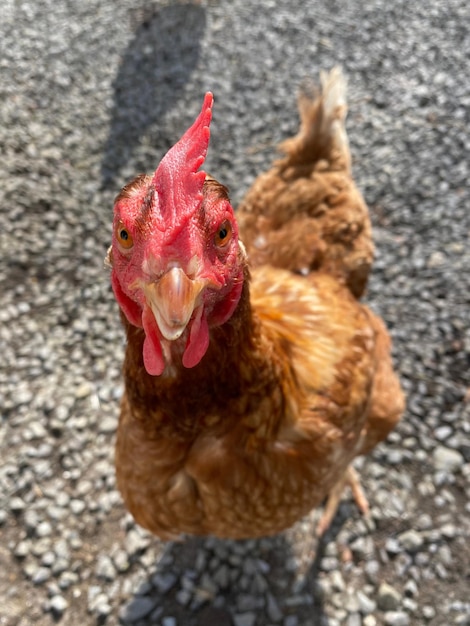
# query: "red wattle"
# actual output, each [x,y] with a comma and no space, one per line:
[131,309]
[152,352]
[225,308]
[198,341]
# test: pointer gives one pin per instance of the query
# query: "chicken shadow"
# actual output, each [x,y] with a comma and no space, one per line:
[153,71]
[213,582]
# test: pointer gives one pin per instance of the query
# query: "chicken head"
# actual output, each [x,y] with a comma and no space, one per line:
[177,266]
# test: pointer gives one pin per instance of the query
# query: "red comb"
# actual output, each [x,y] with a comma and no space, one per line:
[177,180]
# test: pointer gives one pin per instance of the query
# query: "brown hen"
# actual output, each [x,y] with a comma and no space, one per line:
[249,387]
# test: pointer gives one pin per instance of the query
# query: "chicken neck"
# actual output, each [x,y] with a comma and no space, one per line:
[239,378]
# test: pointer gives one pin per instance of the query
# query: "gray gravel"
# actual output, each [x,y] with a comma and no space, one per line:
[91,93]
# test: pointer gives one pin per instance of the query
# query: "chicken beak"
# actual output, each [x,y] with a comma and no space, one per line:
[173,299]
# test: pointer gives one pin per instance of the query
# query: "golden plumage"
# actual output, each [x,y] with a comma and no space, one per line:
[296,383]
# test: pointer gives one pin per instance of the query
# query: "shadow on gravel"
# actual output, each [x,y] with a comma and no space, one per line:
[153,71]
[211,582]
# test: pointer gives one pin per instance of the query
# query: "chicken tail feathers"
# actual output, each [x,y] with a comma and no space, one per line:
[322,133]
[305,214]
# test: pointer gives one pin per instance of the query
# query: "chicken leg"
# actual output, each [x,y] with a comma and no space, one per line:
[350,478]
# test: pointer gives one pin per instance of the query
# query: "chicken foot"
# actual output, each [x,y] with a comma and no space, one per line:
[350,478]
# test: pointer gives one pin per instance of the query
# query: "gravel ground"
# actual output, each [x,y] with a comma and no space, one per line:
[93,92]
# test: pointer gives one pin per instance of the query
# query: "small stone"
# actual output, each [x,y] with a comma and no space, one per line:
[83,390]
[244,619]
[121,561]
[424,522]
[369,621]
[329,564]
[411,541]
[362,548]
[366,605]
[247,603]
[105,568]
[249,567]
[337,581]
[17,505]
[221,575]
[351,603]
[135,542]
[272,609]
[208,585]
[392,546]
[411,588]
[394,457]
[183,596]
[410,605]
[139,608]
[44,529]
[58,605]
[436,259]
[388,598]
[441,571]
[145,588]
[61,549]
[55,513]
[48,558]
[67,579]
[260,585]
[56,427]
[449,531]
[59,565]
[354,619]
[372,569]
[201,561]
[107,425]
[429,612]
[23,396]
[41,546]
[443,432]
[396,618]
[36,431]
[169,621]
[41,575]
[77,506]
[447,460]
[22,549]
[444,555]
[62,499]
[164,582]
[102,608]
[291,620]
[93,592]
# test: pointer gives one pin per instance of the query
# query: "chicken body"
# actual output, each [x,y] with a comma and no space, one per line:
[296,378]
[259,434]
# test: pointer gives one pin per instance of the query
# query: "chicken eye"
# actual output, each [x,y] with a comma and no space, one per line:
[223,235]
[124,237]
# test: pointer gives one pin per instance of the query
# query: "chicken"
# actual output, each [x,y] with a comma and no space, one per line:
[249,387]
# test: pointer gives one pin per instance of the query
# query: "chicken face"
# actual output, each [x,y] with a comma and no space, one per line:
[177,265]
